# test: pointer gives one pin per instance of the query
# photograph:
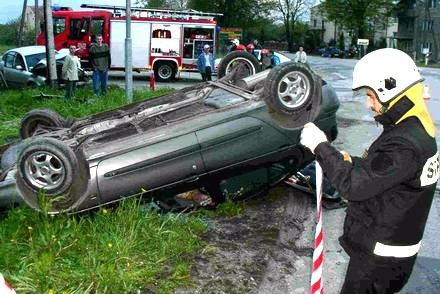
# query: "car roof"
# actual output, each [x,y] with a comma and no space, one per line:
[29,50]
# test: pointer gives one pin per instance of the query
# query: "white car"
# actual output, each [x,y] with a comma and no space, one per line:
[26,66]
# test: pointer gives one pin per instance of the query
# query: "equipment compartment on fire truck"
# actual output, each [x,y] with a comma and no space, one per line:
[163,41]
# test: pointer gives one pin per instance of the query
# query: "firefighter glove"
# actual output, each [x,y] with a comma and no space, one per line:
[312,136]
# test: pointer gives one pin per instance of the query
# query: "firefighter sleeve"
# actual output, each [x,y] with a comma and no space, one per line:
[386,166]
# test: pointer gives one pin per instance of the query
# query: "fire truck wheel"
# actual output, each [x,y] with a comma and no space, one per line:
[235,58]
[37,118]
[164,71]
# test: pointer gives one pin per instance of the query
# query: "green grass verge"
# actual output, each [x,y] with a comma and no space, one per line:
[4,48]
[116,250]
[15,103]
[111,251]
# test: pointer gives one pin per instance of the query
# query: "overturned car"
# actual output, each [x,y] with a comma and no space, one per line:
[242,130]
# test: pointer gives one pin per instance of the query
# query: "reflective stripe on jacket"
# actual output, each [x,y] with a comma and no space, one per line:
[389,199]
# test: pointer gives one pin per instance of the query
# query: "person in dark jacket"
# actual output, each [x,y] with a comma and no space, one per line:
[205,63]
[389,189]
[100,60]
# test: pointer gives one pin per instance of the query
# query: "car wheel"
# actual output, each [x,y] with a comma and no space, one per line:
[235,58]
[50,167]
[39,118]
[165,72]
[292,93]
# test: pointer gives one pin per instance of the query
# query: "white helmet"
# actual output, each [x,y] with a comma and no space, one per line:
[236,42]
[388,72]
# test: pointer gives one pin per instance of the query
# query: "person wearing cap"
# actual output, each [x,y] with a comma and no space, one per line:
[205,63]
[391,187]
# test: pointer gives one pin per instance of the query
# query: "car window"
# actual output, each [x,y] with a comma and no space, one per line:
[19,61]
[59,25]
[9,59]
[33,59]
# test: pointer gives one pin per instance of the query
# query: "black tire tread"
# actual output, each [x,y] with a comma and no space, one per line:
[44,115]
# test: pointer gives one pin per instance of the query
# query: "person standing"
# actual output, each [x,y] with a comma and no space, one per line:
[70,72]
[390,189]
[274,60]
[301,56]
[205,63]
[257,45]
[101,61]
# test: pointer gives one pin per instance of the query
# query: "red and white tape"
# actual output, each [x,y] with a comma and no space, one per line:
[5,288]
[316,282]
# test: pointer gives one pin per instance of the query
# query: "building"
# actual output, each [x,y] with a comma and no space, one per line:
[419,28]
[29,17]
[329,30]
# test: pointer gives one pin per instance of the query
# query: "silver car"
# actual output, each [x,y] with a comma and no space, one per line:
[26,66]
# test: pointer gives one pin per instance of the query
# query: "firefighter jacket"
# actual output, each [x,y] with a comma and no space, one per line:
[390,189]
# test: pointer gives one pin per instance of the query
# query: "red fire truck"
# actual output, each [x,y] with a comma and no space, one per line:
[165,41]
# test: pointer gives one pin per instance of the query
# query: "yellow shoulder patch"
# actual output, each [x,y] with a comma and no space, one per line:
[419,110]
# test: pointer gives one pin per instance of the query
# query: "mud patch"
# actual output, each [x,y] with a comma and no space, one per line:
[257,251]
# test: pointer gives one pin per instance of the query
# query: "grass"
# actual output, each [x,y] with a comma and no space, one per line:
[111,251]
[118,250]
[15,103]
[4,48]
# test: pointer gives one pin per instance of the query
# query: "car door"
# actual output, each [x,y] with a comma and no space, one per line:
[172,161]
[239,141]
[15,70]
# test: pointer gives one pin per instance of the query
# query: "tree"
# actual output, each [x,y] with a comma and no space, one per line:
[355,15]
[21,29]
[291,11]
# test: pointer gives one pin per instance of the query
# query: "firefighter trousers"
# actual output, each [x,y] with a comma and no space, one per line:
[376,274]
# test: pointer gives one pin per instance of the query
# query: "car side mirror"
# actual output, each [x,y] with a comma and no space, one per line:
[19,67]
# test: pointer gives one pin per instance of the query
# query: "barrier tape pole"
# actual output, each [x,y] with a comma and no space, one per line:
[316,282]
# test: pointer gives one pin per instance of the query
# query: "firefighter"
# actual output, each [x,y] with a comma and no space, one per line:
[390,188]
[250,48]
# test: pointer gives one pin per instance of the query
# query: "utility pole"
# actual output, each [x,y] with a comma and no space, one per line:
[20,30]
[128,54]
[37,21]
[52,79]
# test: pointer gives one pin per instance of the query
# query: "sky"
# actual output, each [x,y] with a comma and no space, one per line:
[10,9]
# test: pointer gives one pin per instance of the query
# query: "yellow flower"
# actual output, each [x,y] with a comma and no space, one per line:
[51,291]
[104,211]
[109,245]
[30,228]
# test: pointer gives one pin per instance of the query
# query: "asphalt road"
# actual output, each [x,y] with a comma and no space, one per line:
[357,130]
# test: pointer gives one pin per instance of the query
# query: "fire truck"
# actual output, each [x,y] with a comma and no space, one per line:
[164,41]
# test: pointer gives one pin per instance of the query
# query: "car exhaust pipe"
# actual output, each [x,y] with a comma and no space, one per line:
[251,81]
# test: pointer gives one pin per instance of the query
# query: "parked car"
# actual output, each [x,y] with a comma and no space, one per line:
[26,66]
[331,52]
[240,131]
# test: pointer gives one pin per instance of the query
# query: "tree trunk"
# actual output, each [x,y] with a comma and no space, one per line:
[20,30]
[52,78]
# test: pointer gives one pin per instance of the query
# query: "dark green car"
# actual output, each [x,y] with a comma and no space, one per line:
[232,137]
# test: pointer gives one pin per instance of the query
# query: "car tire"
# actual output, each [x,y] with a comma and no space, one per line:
[49,167]
[238,57]
[39,117]
[165,71]
[292,93]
